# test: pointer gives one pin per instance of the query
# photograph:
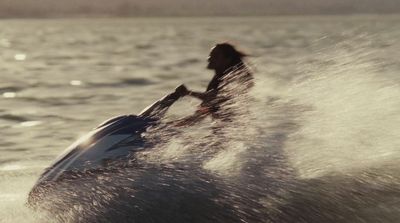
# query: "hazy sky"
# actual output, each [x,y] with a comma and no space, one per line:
[45,8]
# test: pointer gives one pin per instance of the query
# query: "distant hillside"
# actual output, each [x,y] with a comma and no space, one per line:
[51,8]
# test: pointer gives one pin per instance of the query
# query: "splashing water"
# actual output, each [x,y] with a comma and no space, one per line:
[325,153]
[346,150]
[223,176]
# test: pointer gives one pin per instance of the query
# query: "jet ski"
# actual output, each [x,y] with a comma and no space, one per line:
[111,145]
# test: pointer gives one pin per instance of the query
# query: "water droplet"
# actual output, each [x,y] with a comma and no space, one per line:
[30,123]
[20,56]
[9,94]
[76,82]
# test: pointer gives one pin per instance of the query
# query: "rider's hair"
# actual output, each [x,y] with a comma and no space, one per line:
[230,51]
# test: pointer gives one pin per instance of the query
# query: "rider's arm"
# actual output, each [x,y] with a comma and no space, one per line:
[201,95]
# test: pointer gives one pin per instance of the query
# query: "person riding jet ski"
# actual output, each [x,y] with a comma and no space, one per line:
[114,143]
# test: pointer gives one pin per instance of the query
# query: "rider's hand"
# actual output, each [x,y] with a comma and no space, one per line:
[181,90]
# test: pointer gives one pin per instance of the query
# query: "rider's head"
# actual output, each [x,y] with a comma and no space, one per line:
[224,56]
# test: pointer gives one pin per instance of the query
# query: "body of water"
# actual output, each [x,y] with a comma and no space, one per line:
[321,135]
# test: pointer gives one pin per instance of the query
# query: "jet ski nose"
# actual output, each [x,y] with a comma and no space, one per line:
[110,146]
[37,192]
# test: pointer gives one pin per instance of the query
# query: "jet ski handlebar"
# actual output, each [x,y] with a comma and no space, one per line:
[159,107]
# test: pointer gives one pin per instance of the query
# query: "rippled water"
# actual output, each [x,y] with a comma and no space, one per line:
[321,140]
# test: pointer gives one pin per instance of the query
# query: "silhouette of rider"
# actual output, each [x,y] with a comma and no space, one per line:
[224,59]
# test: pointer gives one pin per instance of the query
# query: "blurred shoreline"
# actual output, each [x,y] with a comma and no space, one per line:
[285,17]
